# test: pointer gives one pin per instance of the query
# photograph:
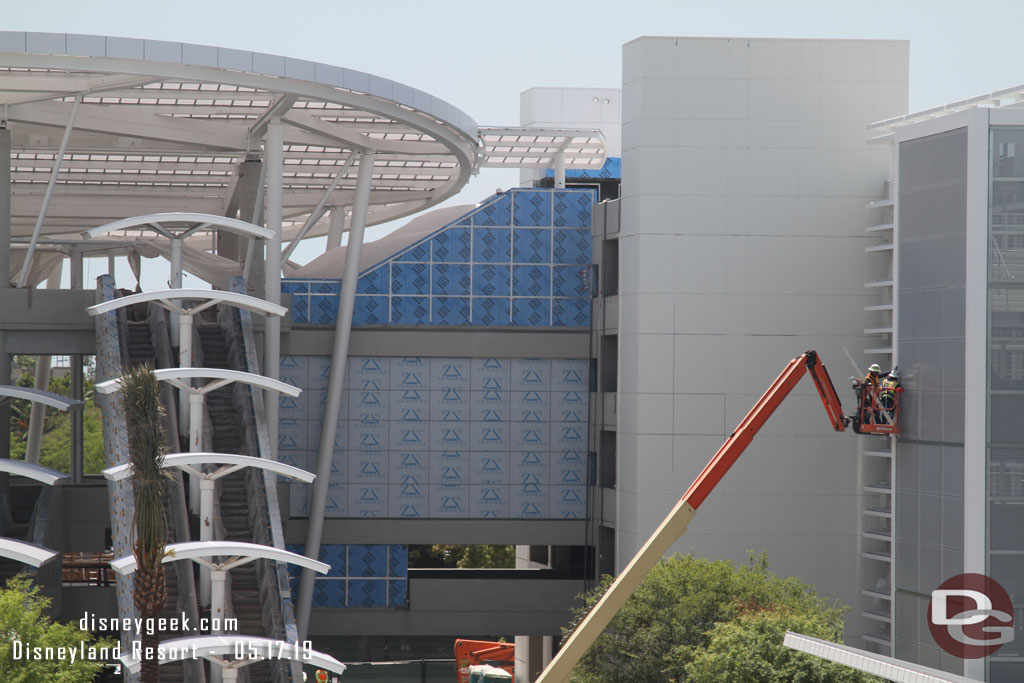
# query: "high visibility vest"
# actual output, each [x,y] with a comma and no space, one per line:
[887,388]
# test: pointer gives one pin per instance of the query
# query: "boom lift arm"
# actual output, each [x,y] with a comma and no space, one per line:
[674,526]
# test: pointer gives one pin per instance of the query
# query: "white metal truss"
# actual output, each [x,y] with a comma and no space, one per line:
[164,126]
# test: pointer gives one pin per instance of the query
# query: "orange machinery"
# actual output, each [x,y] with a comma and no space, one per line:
[469,652]
[675,524]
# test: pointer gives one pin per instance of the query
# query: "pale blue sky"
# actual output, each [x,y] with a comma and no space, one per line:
[480,55]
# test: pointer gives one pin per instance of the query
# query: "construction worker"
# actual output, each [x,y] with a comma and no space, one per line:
[887,388]
[869,392]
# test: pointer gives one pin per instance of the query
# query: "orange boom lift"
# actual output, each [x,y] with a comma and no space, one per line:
[674,526]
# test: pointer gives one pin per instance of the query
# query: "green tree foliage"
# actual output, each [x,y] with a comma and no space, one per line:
[694,619]
[23,618]
[462,556]
[55,450]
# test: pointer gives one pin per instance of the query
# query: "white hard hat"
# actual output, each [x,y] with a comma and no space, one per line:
[874,368]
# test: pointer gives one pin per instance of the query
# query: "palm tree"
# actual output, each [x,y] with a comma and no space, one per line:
[140,396]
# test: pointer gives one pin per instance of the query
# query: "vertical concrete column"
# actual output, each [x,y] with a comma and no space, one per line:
[560,170]
[274,150]
[335,382]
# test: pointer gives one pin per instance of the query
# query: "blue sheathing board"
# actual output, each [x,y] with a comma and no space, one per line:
[612,168]
[360,575]
[422,437]
[521,259]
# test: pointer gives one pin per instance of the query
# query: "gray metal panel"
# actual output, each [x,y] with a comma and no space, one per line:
[299,68]
[199,55]
[234,59]
[126,48]
[12,41]
[163,51]
[272,65]
[47,43]
[932,328]
[86,46]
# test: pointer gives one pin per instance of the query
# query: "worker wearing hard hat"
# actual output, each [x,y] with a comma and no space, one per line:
[872,377]
[870,386]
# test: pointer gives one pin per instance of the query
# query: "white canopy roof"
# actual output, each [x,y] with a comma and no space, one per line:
[167,126]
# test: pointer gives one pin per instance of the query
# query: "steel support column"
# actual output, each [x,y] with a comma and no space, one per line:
[274,169]
[560,170]
[54,172]
[5,206]
[336,228]
[339,359]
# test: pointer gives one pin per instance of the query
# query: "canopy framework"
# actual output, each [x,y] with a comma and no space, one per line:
[167,126]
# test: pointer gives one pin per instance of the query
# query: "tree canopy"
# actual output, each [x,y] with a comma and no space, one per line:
[55,448]
[698,620]
[23,624]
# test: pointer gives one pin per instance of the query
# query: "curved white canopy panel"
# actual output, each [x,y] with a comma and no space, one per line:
[167,126]
[204,297]
[121,472]
[38,472]
[180,224]
[206,550]
[176,375]
[531,147]
[39,396]
[28,553]
[215,648]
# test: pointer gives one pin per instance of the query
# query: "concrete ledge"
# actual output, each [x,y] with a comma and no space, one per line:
[454,531]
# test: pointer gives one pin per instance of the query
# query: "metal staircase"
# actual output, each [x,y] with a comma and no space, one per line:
[232,498]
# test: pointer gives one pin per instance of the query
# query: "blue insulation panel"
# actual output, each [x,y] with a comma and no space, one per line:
[521,244]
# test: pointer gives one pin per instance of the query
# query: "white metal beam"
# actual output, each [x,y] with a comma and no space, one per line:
[207,296]
[208,550]
[27,553]
[38,472]
[39,396]
[177,375]
[121,472]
